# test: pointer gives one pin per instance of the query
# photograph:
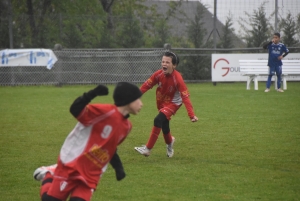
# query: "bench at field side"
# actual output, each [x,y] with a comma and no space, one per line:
[255,68]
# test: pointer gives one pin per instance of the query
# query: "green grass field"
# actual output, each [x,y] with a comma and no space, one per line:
[245,146]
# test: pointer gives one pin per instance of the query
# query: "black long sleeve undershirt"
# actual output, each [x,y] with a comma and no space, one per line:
[79,104]
[118,166]
[286,53]
[116,161]
[265,45]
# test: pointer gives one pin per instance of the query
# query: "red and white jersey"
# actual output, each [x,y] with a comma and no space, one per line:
[90,146]
[171,89]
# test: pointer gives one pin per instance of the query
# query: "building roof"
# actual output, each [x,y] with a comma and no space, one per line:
[187,11]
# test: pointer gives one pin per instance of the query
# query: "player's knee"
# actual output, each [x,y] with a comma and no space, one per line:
[157,122]
[165,130]
[165,127]
[159,119]
[76,199]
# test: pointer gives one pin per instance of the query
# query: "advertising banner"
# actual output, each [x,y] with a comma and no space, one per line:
[226,67]
[27,57]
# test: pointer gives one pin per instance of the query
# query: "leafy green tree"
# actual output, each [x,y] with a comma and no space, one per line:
[37,24]
[4,23]
[42,24]
[156,29]
[129,33]
[80,23]
[298,25]
[196,30]
[174,9]
[107,7]
[259,31]
[161,33]
[195,67]
[106,39]
[152,27]
[72,36]
[226,38]
[289,29]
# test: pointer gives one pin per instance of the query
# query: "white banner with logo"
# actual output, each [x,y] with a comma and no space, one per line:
[226,67]
[27,57]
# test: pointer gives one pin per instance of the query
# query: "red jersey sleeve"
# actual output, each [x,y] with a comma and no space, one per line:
[151,82]
[185,95]
[93,113]
[128,131]
[188,105]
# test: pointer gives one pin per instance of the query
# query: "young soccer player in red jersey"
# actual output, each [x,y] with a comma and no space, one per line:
[91,145]
[171,92]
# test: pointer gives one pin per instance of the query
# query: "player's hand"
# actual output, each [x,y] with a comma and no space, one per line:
[194,119]
[100,90]
[280,57]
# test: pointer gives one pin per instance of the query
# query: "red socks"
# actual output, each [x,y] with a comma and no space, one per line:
[153,137]
[168,138]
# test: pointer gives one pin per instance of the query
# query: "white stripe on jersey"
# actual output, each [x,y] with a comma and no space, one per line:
[76,141]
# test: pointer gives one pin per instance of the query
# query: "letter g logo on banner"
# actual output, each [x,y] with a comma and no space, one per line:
[225,68]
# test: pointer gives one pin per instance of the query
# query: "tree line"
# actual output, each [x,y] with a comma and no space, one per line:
[125,24]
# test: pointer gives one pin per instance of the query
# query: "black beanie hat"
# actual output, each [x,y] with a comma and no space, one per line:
[126,93]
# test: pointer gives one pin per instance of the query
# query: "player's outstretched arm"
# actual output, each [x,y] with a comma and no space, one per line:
[80,102]
[189,108]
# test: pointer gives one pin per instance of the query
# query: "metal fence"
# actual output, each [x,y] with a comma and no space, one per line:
[87,67]
[93,66]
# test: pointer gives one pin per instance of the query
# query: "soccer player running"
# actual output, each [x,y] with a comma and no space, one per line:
[91,145]
[277,51]
[171,92]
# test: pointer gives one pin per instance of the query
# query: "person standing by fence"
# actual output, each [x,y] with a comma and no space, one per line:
[277,51]
[171,92]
